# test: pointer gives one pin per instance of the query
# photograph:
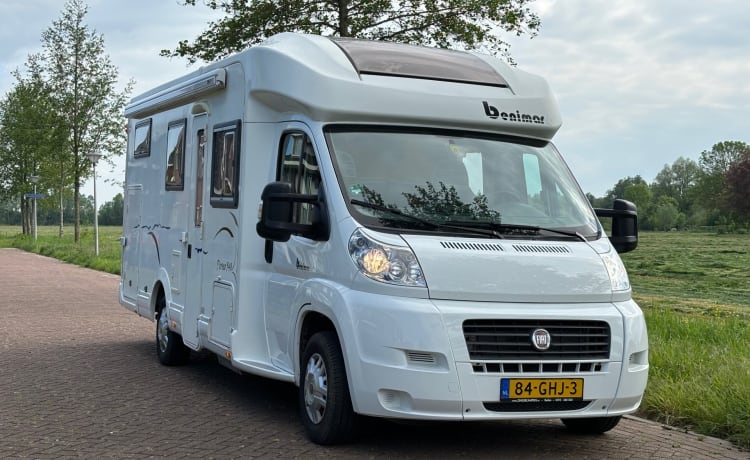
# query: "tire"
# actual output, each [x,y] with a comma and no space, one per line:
[169,346]
[594,425]
[324,401]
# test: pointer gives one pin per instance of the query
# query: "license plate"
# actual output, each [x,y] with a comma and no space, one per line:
[540,389]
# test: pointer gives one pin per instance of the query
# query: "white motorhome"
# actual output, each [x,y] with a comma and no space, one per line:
[389,228]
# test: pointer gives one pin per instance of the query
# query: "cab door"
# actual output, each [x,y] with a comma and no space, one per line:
[298,259]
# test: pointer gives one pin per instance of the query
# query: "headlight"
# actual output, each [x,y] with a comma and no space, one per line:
[384,262]
[618,276]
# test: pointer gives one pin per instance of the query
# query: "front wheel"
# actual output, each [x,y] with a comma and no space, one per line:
[169,347]
[594,425]
[325,404]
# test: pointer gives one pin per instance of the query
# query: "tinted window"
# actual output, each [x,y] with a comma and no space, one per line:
[299,167]
[142,139]
[399,60]
[175,175]
[225,165]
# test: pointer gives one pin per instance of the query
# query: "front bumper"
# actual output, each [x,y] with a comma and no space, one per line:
[407,358]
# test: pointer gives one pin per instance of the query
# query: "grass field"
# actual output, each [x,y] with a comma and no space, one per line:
[694,289]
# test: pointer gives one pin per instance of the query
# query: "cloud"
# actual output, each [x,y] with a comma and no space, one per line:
[641,83]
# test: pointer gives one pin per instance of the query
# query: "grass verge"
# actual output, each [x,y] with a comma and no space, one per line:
[48,243]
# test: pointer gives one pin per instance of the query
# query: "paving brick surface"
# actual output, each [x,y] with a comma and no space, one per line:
[79,378]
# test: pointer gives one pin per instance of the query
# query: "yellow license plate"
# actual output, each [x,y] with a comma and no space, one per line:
[519,389]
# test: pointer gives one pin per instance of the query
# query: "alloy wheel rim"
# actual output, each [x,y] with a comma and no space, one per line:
[316,388]
[162,332]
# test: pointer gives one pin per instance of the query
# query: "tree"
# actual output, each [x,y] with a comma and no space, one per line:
[29,138]
[83,81]
[618,191]
[111,212]
[714,165]
[666,214]
[677,181]
[469,24]
[639,194]
[738,185]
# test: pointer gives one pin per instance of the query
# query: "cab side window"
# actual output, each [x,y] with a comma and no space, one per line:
[299,167]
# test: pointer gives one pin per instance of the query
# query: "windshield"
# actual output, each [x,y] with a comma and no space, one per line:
[457,179]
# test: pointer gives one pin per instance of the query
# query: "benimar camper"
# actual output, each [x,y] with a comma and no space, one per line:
[389,228]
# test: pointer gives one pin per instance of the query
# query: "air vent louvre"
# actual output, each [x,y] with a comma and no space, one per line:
[421,357]
[541,248]
[471,246]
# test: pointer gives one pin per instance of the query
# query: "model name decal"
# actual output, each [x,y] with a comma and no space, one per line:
[224,265]
[494,113]
[301,266]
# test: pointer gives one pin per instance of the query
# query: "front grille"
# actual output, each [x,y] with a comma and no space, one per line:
[535,406]
[510,339]
[545,367]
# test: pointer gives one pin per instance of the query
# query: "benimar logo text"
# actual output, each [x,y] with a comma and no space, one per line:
[517,116]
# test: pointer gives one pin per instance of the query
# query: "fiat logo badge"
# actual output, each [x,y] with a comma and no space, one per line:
[540,338]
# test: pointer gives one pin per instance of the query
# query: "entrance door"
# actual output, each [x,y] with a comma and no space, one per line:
[131,243]
[194,305]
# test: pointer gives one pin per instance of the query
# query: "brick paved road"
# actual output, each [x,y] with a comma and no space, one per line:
[79,378]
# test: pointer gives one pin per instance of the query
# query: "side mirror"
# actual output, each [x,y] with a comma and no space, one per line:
[277,214]
[624,235]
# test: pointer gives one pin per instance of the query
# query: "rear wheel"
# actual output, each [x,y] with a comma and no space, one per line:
[325,405]
[169,346]
[594,425]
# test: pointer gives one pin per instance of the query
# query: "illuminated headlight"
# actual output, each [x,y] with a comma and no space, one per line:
[385,263]
[618,276]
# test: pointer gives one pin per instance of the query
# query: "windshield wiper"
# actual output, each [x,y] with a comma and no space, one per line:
[436,225]
[520,229]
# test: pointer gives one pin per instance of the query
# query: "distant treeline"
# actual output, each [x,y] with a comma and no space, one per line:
[48,211]
[713,192]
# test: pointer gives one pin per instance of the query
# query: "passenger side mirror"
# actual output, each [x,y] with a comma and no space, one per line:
[277,214]
[624,235]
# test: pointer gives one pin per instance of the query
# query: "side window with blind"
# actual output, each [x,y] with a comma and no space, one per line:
[225,165]
[299,167]
[175,176]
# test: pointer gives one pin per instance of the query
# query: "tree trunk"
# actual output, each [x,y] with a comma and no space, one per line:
[77,201]
[62,203]
[25,225]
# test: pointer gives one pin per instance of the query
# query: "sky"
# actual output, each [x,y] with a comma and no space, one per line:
[639,83]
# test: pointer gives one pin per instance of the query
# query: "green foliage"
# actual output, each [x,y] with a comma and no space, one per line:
[712,192]
[470,24]
[640,194]
[110,212]
[738,185]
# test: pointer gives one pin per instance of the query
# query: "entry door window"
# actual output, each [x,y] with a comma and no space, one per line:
[299,167]
[201,143]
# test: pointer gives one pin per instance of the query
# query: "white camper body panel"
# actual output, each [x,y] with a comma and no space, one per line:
[193,247]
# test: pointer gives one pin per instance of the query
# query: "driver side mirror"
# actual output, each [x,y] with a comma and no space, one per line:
[624,235]
[277,214]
